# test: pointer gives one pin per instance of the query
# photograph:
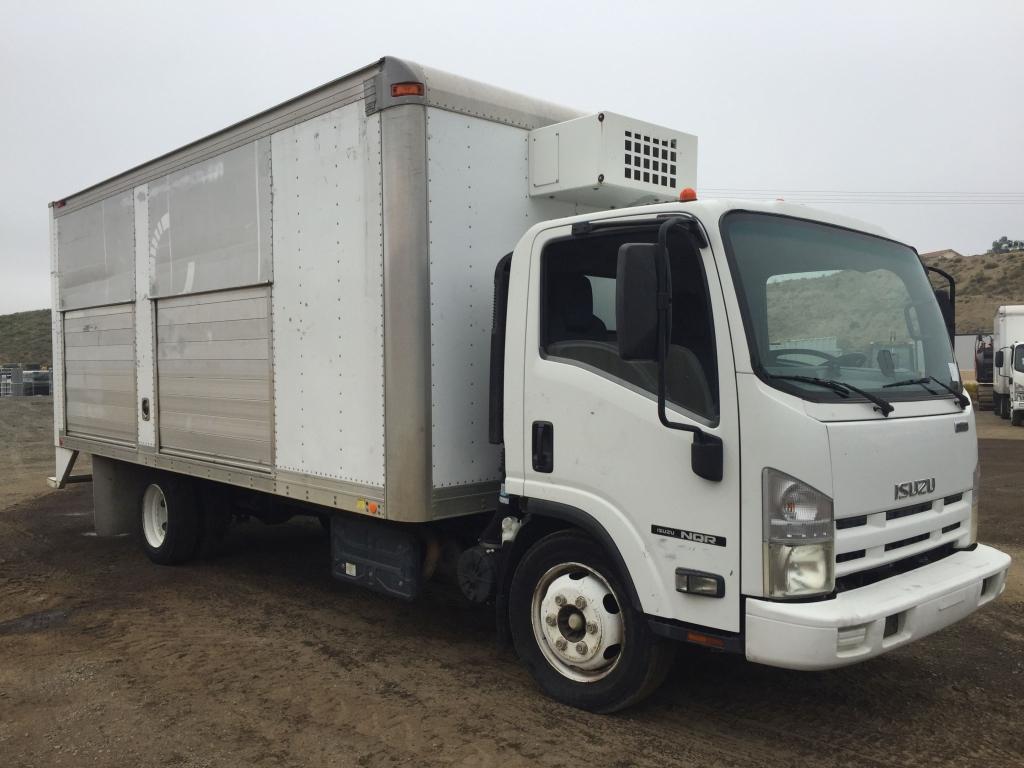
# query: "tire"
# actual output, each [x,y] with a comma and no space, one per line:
[169,520]
[1017,418]
[557,576]
[1004,406]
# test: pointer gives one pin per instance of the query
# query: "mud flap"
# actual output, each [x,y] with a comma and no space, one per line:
[379,556]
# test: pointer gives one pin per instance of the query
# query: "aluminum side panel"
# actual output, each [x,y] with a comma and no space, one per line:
[99,372]
[351,88]
[96,254]
[218,387]
[328,298]
[209,224]
[479,209]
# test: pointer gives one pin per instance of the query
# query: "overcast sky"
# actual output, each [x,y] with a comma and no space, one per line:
[915,104]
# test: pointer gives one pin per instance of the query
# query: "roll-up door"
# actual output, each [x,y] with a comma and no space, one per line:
[213,375]
[99,381]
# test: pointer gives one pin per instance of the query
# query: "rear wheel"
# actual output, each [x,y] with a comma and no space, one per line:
[169,520]
[574,628]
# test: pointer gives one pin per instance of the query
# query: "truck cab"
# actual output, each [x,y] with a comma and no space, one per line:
[700,387]
[1010,363]
[1008,332]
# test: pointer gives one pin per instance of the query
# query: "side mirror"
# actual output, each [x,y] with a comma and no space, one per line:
[999,359]
[707,457]
[636,301]
[946,308]
[910,318]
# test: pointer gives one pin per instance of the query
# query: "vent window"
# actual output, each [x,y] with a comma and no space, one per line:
[639,153]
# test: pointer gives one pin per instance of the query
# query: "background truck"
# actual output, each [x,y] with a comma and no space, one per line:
[310,313]
[1008,330]
[983,365]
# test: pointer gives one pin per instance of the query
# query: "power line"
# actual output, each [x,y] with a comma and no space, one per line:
[858,197]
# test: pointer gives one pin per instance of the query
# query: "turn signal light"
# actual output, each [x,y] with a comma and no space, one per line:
[406,89]
[706,640]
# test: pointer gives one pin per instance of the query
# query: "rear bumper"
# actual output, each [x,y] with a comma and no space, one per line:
[852,627]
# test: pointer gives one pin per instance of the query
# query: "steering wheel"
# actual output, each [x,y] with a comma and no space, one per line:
[775,354]
[852,359]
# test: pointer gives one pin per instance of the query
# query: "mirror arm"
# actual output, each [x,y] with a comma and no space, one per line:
[702,441]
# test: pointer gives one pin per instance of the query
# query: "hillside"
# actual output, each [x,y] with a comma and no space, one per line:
[25,337]
[983,283]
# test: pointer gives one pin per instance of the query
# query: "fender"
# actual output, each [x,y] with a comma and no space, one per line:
[543,517]
[589,525]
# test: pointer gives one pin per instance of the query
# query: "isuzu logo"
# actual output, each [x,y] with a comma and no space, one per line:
[914,488]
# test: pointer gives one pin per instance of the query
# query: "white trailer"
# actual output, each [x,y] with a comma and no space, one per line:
[1007,333]
[309,313]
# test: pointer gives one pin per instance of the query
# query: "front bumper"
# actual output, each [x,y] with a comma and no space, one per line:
[852,626]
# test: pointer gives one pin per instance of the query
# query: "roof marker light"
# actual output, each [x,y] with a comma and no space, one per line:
[688,195]
[406,89]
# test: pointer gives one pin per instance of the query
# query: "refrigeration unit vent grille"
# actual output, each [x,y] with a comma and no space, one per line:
[650,159]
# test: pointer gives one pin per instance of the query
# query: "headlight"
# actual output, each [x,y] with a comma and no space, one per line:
[798,537]
[975,495]
[1018,390]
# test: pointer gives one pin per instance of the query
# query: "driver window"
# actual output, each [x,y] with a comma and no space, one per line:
[578,321]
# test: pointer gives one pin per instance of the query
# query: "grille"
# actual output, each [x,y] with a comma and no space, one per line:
[650,159]
[869,542]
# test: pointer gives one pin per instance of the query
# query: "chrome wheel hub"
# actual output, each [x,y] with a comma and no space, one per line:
[154,516]
[577,622]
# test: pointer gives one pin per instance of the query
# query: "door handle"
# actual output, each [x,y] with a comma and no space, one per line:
[543,446]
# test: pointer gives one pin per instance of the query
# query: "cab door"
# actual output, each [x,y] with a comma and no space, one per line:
[592,437]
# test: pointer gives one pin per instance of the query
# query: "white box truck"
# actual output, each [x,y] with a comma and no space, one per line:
[492,338]
[1008,388]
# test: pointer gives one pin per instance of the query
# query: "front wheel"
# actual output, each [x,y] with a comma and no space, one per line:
[1016,418]
[574,628]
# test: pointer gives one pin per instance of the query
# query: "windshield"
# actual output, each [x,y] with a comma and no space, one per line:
[829,303]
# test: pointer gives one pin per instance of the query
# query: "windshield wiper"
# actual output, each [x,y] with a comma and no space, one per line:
[961,398]
[843,390]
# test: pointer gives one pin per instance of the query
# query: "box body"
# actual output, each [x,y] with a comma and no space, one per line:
[1007,330]
[301,304]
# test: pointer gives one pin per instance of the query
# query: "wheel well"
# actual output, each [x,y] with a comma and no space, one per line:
[543,518]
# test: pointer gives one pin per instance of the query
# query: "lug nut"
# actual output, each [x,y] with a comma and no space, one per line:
[559,600]
[551,620]
[591,628]
[581,648]
[581,602]
[560,644]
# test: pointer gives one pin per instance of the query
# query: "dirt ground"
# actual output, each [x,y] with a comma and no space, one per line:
[258,658]
[991,427]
